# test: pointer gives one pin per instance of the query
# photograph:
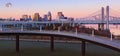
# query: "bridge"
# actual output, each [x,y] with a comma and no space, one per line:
[99,40]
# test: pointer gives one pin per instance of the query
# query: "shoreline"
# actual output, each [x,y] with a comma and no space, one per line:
[36,40]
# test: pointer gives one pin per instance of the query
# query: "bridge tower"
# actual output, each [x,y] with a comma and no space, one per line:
[107,18]
[101,25]
[103,17]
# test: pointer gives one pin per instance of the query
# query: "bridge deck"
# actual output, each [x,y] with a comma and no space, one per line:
[96,39]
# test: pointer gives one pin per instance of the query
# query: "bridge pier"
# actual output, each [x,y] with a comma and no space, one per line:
[52,44]
[17,44]
[83,47]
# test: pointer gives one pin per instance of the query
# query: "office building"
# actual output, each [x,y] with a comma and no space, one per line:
[49,16]
[37,17]
[45,18]
[29,18]
[60,15]
[24,16]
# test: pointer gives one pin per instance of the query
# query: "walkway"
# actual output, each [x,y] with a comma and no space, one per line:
[95,39]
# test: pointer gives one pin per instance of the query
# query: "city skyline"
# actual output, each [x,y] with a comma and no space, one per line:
[70,8]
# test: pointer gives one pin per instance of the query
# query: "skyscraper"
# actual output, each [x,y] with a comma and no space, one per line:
[45,17]
[60,15]
[49,16]
[29,18]
[36,17]
[24,16]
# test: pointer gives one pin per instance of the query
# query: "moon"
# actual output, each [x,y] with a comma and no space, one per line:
[8,5]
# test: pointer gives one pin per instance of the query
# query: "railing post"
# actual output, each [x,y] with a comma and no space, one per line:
[73,24]
[70,24]
[76,31]
[93,32]
[21,27]
[49,24]
[1,27]
[111,37]
[40,28]
[62,23]
[58,28]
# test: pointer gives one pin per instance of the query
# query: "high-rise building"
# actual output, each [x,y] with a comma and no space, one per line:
[49,16]
[36,17]
[60,15]
[29,18]
[45,17]
[24,16]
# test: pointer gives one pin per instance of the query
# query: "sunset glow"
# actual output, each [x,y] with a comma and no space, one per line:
[70,8]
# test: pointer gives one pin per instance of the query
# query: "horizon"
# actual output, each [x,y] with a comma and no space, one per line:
[70,8]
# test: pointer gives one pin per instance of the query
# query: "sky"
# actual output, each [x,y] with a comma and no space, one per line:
[70,8]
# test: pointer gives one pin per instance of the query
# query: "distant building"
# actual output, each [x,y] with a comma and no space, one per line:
[22,19]
[40,19]
[65,18]
[1,19]
[45,18]
[71,19]
[10,19]
[24,16]
[7,19]
[49,16]
[29,18]
[60,15]
[37,17]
